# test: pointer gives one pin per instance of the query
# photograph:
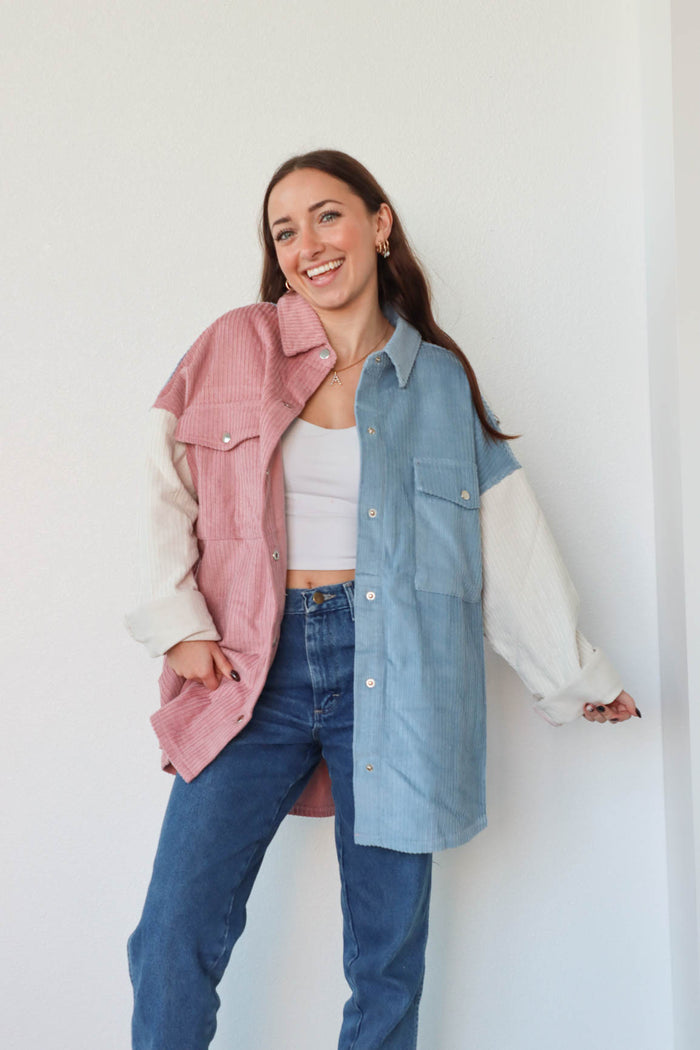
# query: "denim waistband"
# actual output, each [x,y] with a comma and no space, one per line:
[335,596]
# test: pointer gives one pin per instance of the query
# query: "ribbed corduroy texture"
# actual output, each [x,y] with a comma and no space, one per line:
[531,607]
[430,485]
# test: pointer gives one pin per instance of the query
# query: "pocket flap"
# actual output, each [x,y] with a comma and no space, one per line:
[449,479]
[220,426]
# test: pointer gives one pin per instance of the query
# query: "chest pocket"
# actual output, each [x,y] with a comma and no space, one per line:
[448,529]
[219,426]
[224,457]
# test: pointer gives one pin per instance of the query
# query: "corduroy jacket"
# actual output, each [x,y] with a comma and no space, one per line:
[451,546]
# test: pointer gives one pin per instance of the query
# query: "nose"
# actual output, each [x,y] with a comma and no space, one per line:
[309,241]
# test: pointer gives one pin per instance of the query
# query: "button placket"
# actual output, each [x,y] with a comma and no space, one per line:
[368,417]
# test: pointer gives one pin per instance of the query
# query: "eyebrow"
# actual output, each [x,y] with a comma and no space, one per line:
[286,218]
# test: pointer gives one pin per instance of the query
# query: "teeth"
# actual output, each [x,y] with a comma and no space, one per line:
[316,270]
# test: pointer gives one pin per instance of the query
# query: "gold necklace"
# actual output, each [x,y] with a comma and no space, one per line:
[336,378]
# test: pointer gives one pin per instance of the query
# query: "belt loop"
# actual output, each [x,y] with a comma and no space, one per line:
[349,586]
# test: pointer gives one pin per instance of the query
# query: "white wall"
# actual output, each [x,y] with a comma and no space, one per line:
[686,88]
[671,39]
[510,137]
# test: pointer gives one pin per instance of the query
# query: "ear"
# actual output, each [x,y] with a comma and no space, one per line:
[384,221]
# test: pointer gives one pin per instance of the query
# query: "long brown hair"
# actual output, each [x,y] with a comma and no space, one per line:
[402,282]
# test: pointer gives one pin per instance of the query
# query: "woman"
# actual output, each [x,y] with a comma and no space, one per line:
[335,520]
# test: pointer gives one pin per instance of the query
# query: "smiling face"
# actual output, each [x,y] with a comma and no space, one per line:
[325,239]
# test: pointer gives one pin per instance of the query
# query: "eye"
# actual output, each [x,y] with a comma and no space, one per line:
[282,235]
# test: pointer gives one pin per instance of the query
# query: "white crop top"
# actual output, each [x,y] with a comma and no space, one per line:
[321,481]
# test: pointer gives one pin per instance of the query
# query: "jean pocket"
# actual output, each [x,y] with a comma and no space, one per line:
[448,528]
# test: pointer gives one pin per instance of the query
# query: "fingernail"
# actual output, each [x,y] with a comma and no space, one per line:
[235,675]
[589,707]
[638,712]
[600,708]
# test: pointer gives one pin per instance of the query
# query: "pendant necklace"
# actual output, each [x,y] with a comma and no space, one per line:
[336,378]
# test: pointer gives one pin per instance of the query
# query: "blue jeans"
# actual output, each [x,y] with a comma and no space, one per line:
[215,833]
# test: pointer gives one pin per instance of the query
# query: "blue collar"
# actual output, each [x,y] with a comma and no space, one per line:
[403,346]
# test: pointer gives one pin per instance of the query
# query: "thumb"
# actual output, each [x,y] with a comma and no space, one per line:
[625,700]
[223,666]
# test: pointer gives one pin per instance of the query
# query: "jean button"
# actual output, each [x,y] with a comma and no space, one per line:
[318,597]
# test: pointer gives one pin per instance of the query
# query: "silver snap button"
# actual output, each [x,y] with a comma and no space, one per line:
[241,718]
[464,494]
[372,512]
[276,555]
[370,682]
[370,596]
[286,404]
[325,353]
[371,430]
[369,767]
[226,438]
[377,357]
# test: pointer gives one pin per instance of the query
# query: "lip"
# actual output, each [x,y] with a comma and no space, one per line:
[324,278]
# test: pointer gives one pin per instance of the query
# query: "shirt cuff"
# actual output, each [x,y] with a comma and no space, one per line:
[163,623]
[597,683]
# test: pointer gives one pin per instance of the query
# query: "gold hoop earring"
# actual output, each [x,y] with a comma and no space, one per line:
[383,249]
[288,285]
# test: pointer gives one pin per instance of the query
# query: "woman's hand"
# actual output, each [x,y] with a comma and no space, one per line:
[621,708]
[201,660]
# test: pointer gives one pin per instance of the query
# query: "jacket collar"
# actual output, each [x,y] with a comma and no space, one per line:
[301,329]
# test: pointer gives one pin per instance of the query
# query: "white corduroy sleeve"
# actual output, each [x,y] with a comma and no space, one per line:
[170,608]
[530,606]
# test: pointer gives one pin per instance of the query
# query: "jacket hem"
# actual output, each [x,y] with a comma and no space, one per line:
[432,844]
[170,748]
[312,811]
